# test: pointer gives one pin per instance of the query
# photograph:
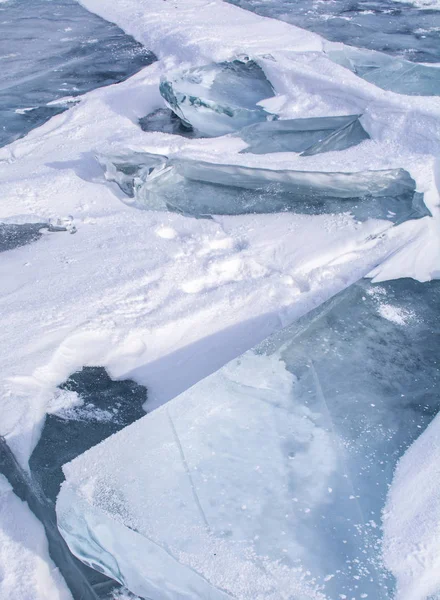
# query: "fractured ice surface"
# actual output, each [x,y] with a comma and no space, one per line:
[389,73]
[78,52]
[201,189]
[308,136]
[219,98]
[385,25]
[266,480]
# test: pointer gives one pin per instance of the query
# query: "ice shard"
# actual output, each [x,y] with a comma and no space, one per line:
[219,98]
[266,480]
[202,189]
[308,136]
[389,73]
[87,408]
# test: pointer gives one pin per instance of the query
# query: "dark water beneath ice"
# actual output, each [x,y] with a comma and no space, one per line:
[55,49]
[396,28]
[106,407]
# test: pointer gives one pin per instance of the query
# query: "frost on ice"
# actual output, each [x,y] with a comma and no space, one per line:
[201,189]
[219,98]
[235,489]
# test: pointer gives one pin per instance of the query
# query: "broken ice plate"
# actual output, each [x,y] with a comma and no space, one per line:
[308,136]
[219,98]
[201,189]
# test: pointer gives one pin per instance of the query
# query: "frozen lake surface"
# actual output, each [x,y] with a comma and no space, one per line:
[399,28]
[42,74]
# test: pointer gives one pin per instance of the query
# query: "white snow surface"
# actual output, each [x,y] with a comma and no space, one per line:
[26,570]
[152,294]
[412,519]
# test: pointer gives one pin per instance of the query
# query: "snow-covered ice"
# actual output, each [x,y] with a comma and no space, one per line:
[165,299]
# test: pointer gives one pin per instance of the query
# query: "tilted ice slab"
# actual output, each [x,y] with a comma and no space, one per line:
[42,74]
[201,189]
[219,98]
[389,73]
[308,136]
[266,480]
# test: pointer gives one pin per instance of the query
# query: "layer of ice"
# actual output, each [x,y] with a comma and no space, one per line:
[201,189]
[219,98]
[266,480]
[308,136]
[389,73]
[398,28]
[42,74]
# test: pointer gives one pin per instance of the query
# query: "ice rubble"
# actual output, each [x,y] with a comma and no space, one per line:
[201,189]
[308,136]
[239,484]
[219,98]
[42,75]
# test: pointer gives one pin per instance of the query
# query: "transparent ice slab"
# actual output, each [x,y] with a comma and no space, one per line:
[202,189]
[389,73]
[397,28]
[308,136]
[266,480]
[219,98]
[41,74]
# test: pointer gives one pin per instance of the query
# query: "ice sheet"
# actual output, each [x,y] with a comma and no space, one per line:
[42,75]
[267,479]
[203,189]
[407,29]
